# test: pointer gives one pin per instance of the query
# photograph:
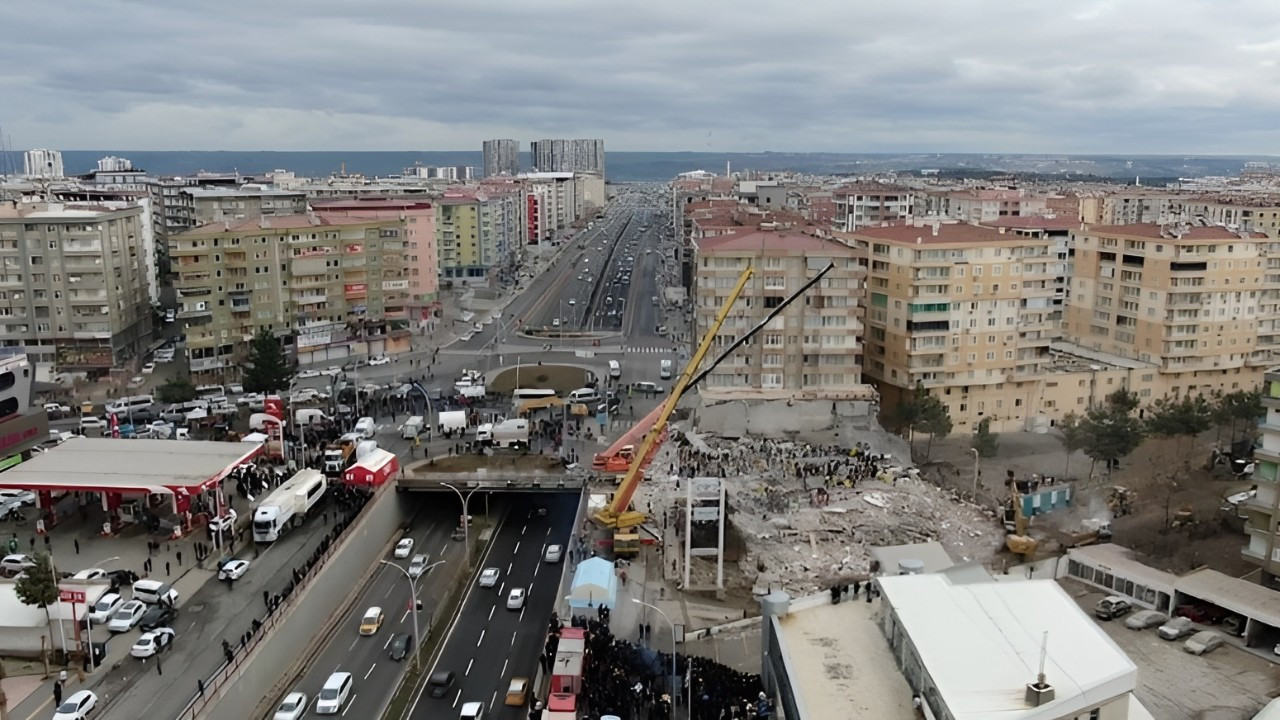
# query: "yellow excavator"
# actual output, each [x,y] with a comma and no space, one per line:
[1015,527]
[618,514]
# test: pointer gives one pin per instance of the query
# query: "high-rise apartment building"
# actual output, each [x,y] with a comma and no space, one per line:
[111,163]
[870,204]
[475,233]
[420,254]
[328,286]
[74,284]
[1262,512]
[813,349]
[42,164]
[233,204]
[501,157]
[568,156]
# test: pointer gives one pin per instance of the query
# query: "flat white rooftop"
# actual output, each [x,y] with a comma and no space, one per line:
[981,643]
[115,464]
[840,665]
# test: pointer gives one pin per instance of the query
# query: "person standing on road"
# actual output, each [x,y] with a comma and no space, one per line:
[57,693]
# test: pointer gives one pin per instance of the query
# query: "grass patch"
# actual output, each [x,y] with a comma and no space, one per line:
[561,378]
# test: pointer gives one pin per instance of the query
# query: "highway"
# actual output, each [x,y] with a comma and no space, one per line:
[487,644]
[367,658]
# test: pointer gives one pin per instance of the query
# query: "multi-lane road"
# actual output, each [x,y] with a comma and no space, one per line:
[488,644]
[368,658]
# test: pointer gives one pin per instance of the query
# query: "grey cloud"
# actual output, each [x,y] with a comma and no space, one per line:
[1178,76]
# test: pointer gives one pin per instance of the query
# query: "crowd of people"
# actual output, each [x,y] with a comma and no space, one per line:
[633,680]
[831,465]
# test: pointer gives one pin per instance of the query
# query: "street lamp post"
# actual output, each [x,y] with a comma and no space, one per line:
[466,525]
[413,600]
[654,608]
[88,623]
[975,473]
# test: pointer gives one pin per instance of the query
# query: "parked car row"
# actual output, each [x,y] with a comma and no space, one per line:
[1175,628]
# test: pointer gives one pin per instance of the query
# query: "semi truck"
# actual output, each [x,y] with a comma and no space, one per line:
[287,506]
[511,434]
[339,455]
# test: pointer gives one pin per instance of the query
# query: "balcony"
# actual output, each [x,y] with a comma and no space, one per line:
[206,364]
[309,298]
[193,313]
[80,247]
[84,298]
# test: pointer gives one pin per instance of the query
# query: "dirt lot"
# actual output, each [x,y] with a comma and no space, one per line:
[1227,684]
[1213,539]
[562,378]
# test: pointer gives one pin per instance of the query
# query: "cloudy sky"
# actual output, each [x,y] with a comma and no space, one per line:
[1131,76]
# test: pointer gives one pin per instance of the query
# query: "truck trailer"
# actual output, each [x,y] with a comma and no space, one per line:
[287,506]
[511,434]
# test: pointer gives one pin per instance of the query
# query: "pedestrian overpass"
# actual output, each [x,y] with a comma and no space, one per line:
[507,481]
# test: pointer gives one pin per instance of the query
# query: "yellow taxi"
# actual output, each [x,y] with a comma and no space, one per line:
[371,621]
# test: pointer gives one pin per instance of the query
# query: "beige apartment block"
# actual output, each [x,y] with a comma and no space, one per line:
[1186,301]
[74,284]
[966,312]
[813,348]
[330,287]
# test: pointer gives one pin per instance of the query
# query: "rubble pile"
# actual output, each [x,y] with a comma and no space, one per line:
[808,515]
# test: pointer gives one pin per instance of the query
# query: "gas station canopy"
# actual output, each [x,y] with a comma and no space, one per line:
[162,467]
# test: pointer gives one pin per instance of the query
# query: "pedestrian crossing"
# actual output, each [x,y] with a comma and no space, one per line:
[649,350]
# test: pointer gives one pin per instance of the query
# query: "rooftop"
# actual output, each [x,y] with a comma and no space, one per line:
[112,465]
[374,203]
[1035,222]
[1005,624]
[216,192]
[1125,562]
[768,240]
[1239,596]
[58,211]
[278,222]
[1156,231]
[840,665]
[942,233]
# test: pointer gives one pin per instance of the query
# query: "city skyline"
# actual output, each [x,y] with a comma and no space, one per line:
[819,77]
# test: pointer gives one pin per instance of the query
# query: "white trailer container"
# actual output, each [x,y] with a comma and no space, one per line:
[511,434]
[455,420]
[412,427]
[287,506]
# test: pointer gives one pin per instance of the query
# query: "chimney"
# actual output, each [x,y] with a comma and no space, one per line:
[263,223]
[919,239]
[1002,229]
[934,227]
[1040,692]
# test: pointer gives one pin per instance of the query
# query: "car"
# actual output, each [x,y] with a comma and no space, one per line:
[158,615]
[77,706]
[401,645]
[1178,627]
[332,371]
[250,398]
[16,562]
[417,566]
[555,322]
[1205,641]
[233,569]
[225,522]
[90,574]
[1111,607]
[518,691]
[647,388]
[379,360]
[440,682]
[1144,619]
[293,707]
[57,409]
[22,497]
[404,547]
[553,553]
[127,616]
[304,395]
[105,607]
[152,642]
[137,381]
[90,422]
[572,302]
[308,374]
[148,368]
[371,621]
[489,577]
[515,598]
[471,711]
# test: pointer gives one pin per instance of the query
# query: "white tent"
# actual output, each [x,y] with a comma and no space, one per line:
[594,583]
[256,437]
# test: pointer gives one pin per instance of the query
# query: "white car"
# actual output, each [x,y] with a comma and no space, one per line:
[555,322]
[1205,641]
[332,371]
[235,389]
[16,562]
[489,578]
[404,547]
[515,599]
[25,497]
[308,374]
[76,707]
[292,708]
[225,522]
[233,569]
[127,616]
[106,606]
[148,368]
[250,399]
[379,360]
[91,422]
[417,566]
[137,381]
[553,553]
[90,574]
[151,642]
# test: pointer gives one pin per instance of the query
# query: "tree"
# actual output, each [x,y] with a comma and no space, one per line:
[1239,407]
[1183,417]
[176,390]
[39,588]
[985,441]
[934,419]
[266,370]
[906,414]
[1073,438]
[1110,430]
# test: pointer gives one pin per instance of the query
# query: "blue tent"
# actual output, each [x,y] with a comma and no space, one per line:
[594,583]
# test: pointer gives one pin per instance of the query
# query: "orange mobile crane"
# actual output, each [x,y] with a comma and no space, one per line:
[618,514]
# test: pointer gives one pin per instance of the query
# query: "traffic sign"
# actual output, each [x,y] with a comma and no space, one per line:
[71,596]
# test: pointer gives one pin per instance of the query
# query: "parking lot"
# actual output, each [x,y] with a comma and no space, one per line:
[1225,684]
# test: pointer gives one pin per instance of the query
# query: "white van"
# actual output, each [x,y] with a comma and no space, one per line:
[365,427]
[153,591]
[336,691]
[583,395]
[665,372]
[412,427]
[208,391]
[472,711]
[615,369]
[130,404]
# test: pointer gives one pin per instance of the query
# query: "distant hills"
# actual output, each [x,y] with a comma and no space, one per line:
[661,166]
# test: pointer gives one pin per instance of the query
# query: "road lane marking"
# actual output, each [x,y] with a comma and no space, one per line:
[387,644]
[495,607]
[509,567]
[535,569]
[517,550]
[494,700]
[402,619]
[521,614]
[350,703]
[504,667]
[481,638]
[513,639]
[524,529]
[458,697]
[371,667]
[353,644]
[469,664]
